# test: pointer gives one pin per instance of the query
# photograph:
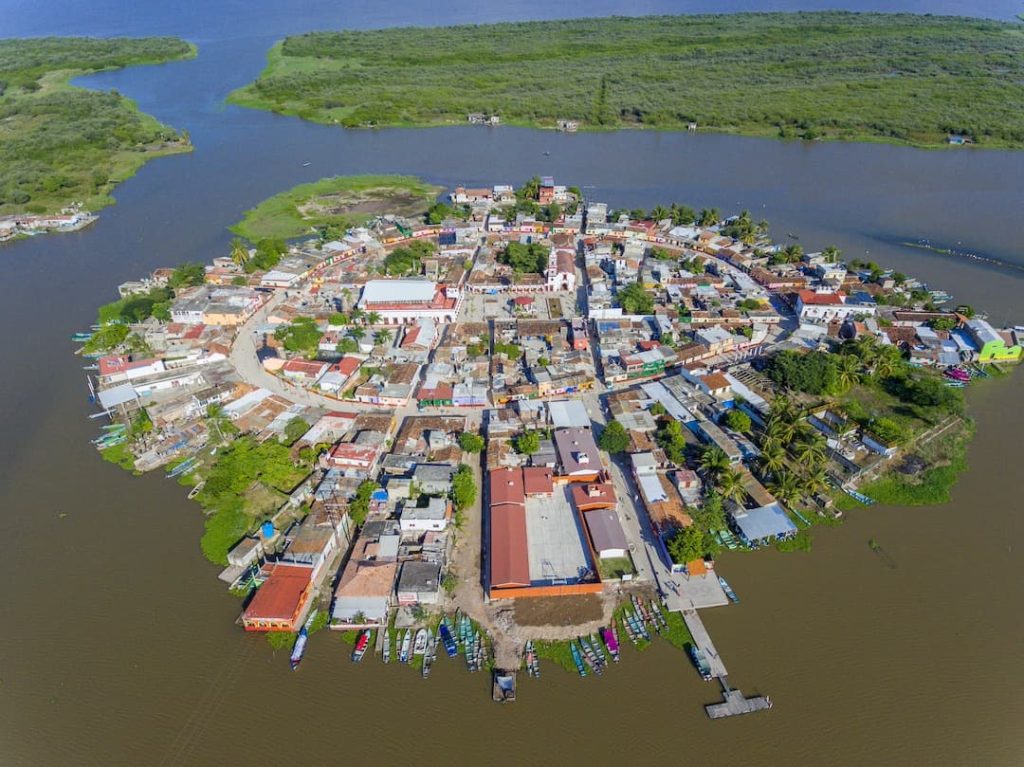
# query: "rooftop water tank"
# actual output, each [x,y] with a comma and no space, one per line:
[267,529]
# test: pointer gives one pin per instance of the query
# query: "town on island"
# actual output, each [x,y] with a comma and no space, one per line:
[516,425]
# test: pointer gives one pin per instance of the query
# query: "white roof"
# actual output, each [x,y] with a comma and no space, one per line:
[118,395]
[567,414]
[398,291]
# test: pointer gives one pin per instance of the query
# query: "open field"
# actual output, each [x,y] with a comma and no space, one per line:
[340,201]
[61,144]
[890,77]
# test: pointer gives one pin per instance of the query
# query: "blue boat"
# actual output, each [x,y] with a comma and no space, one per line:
[728,590]
[577,658]
[299,648]
[701,662]
[448,640]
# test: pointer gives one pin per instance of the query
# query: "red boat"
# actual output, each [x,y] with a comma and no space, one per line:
[361,644]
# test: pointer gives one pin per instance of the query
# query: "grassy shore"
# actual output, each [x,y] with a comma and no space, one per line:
[62,144]
[873,77]
[337,202]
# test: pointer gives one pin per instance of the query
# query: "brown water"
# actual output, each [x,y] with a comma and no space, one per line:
[118,642]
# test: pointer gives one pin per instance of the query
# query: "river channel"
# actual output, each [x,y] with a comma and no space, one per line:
[118,643]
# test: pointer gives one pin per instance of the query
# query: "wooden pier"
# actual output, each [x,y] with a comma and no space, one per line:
[735,704]
[702,640]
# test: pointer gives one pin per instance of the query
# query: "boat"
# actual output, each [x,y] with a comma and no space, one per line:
[306,164]
[629,629]
[387,646]
[577,658]
[590,656]
[195,490]
[611,642]
[429,654]
[958,374]
[728,590]
[405,652]
[419,645]
[659,615]
[361,644]
[299,648]
[447,640]
[81,337]
[599,649]
[700,662]
[503,687]
[532,662]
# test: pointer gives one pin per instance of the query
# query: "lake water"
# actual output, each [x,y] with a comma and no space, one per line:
[119,646]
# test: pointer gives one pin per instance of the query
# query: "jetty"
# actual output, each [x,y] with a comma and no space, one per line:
[702,640]
[736,704]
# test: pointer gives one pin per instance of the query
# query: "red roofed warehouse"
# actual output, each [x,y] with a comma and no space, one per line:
[279,603]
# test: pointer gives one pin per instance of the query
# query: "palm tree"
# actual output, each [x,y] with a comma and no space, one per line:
[730,485]
[372,318]
[355,315]
[382,336]
[357,333]
[810,451]
[794,253]
[782,407]
[785,488]
[848,371]
[782,430]
[239,253]
[709,217]
[714,460]
[660,213]
[831,254]
[773,458]
[762,228]
[887,361]
[815,482]
[346,294]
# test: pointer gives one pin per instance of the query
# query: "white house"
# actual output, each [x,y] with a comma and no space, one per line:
[420,519]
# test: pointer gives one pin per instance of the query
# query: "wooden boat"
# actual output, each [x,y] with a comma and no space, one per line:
[406,650]
[503,686]
[532,661]
[629,629]
[599,649]
[577,658]
[728,590]
[387,645]
[420,643]
[448,640]
[701,662]
[590,656]
[361,644]
[299,648]
[659,615]
[429,654]
[611,642]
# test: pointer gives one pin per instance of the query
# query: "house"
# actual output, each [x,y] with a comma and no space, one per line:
[363,595]
[419,584]
[419,519]
[507,550]
[991,345]
[405,302]
[433,479]
[350,455]
[578,455]
[303,370]
[595,495]
[762,525]
[822,306]
[606,534]
[280,603]
[878,445]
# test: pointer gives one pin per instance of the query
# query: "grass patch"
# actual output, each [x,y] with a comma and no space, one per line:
[557,652]
[340,202]
[62,144]
[677,634]
[799,542]
[121,455]
[615,568]
[947,459]
[861,76]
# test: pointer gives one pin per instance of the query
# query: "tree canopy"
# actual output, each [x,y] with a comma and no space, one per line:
[614,438]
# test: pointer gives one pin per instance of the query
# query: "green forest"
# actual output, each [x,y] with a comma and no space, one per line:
[62,144]
[891,77]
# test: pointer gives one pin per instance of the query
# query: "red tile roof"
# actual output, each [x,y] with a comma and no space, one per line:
[510,560]
[506,487]
[281,596]
[538,480]
[809,297]
[596,495]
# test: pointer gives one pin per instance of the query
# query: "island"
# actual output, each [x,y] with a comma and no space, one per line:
[922,80]
[65,148]
[521,427]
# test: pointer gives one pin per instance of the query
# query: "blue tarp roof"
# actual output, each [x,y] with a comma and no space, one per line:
[764,522]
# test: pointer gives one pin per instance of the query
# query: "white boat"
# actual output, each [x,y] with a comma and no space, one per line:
[420,645]
[406,651]
[387,646]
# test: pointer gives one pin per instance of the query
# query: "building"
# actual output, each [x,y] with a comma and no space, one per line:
[363,595]
[813,306]
[762,525]
[561,271]
[420,519]
[578,456]
[508,553]
[280,603]
[419,584]
[606,535]
[405,302]
[991,345]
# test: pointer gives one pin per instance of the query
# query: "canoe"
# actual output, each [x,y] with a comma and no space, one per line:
[577,658]
[406,649]
[361,643]
[611,643]
[299,648]
[728,590]
[420,644]
[447,640]
[387,646]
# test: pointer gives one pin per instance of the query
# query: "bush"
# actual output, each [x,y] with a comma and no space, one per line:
[737,420]
[471,443]
[614,438]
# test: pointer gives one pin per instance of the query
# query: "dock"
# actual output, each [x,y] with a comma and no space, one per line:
[702,640]
[735,704]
